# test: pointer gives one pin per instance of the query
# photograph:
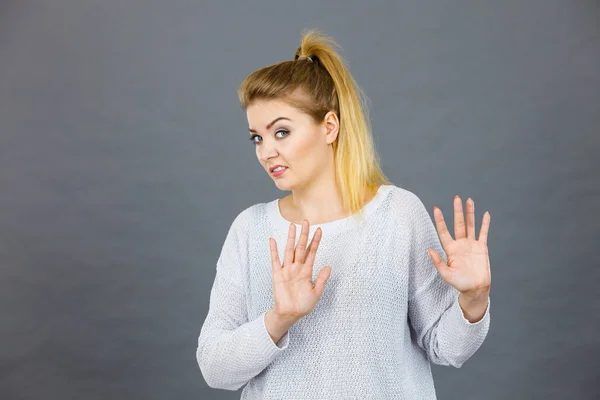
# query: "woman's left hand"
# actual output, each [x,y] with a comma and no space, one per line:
[468,268]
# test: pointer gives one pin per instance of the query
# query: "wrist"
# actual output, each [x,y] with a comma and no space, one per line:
[282,319]
[473,305]
[276,326]
[476,295]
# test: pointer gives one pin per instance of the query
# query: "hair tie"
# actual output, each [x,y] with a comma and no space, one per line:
[303,57]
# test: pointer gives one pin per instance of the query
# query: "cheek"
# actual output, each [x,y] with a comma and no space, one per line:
[310,157]
[301,152]
[307,144]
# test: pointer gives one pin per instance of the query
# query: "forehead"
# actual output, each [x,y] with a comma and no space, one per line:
[264,109]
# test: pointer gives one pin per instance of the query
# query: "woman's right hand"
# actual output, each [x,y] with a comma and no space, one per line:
[293,289]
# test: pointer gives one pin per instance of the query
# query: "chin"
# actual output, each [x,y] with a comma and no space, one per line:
[282,185]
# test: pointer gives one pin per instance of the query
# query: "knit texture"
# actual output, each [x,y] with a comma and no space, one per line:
[384,316]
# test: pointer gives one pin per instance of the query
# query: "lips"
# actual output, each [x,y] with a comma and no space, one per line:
[280,172]
[276,166]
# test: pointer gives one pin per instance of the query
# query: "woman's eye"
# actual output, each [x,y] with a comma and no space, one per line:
[252,138]
[255,135]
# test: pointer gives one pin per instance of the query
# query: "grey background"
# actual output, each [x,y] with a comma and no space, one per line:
[124,159]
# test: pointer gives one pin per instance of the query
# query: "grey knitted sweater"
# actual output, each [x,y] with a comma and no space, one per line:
[384,316]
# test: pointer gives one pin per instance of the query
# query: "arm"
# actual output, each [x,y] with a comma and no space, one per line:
[441,327]
[232,350]
[277,326]
[474,306]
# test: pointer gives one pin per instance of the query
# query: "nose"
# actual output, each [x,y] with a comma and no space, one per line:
[267,150]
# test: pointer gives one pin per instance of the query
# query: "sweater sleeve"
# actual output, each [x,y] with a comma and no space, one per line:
[232,350]
[440,326]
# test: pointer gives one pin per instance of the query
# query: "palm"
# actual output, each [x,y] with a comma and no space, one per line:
[293,290]
[468,267]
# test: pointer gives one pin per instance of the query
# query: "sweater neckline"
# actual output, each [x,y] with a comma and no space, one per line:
[331,227]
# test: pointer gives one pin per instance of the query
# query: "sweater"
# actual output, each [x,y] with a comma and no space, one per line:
[384,316]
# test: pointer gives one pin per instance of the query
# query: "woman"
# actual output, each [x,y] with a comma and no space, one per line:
[388,297]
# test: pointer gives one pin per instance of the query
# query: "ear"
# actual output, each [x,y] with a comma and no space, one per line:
[332,125]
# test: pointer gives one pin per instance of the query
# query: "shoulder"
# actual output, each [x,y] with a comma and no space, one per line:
[248,217]
[236,238]
[405,200]
[407,206]
[243,220]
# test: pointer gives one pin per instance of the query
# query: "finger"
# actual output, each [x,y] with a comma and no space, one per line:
[442,229]
[438,261]
[322,278]
[274,256]
[309,247]
[460,231]
[288,256]
[485,227]
[470,218]
[314,245]
[301,247]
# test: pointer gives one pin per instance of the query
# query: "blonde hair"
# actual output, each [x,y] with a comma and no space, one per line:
[320,71]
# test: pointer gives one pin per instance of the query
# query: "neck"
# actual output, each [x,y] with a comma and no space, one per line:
[319,203]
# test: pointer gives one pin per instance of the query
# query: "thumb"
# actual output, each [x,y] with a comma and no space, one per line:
[438,261]
[321,280]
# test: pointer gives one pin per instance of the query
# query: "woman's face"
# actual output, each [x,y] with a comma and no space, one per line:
[283,135]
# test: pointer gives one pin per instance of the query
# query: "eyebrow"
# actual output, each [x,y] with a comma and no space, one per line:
[270,124]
